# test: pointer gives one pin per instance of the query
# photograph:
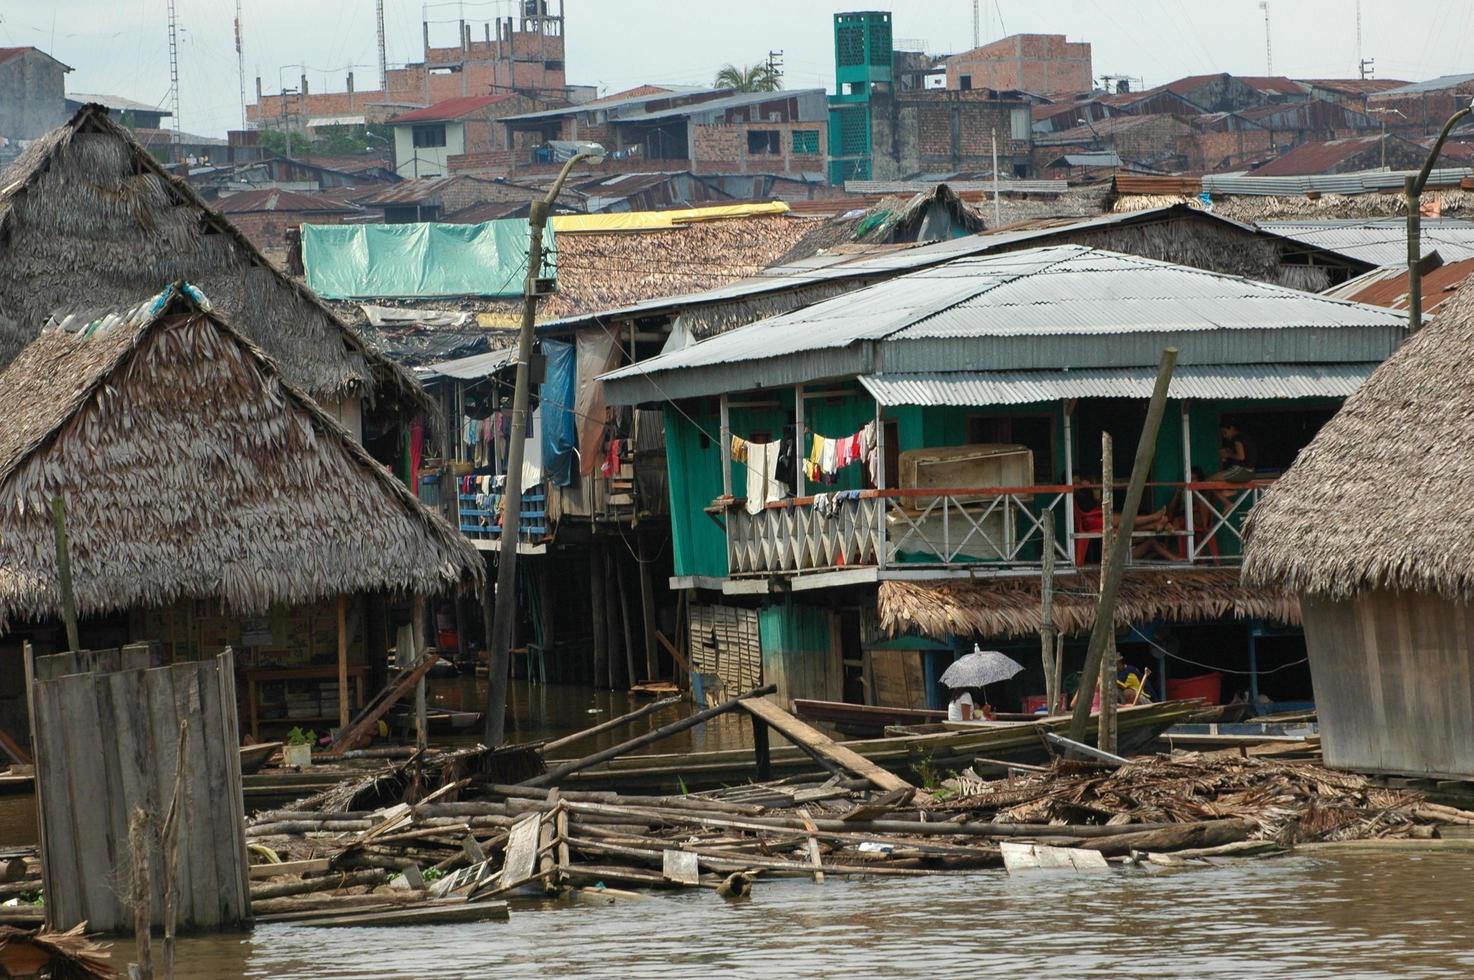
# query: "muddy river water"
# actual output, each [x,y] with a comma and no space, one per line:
[1333,914]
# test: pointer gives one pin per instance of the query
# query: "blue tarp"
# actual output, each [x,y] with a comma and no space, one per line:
[417,260]
[560,429]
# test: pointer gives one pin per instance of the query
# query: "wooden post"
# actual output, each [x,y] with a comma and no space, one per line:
[343,712]
[611,618]
[798,441]
[761,750]
[647,606]
[545,608]
[1067,405]
[422,735]
[624,620]
[1046,613]
[1106,614]
[725,435]
[1059,668]
[64,572]
[1106,719]
[597,612]
[1187,477]
[138,843]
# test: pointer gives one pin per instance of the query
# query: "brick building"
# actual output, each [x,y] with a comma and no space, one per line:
[428,140]
[1044,64]
[267,217]
[522,55]
[32,93]
[948,131]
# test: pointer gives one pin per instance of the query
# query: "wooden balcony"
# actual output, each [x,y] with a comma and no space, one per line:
[979,530]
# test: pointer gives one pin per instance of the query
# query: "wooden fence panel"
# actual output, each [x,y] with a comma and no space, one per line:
[106,729]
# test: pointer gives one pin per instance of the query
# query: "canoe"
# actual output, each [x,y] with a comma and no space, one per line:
[937,752]
[439,720]
[866,720]
[253,757]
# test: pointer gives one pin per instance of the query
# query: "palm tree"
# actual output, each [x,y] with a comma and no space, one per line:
[753,78]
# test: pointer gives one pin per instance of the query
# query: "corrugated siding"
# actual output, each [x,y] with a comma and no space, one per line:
[1027,387]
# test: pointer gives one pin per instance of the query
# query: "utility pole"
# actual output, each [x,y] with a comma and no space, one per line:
[775,64]
[383,62]
[1361,64]
[1413,188]
[174,69]
[505,608]
[977,24]
[240,61]
[997,212]
[1268,51]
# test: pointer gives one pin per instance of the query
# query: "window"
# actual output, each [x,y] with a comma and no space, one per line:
[1020,124]
[806,142]
[965,82]
[762,141]
[429,136]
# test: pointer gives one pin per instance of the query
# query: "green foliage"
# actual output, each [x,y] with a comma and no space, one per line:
[339,141]
[751,78]
[931,777]
[32,897]
[298,737]
[432,874]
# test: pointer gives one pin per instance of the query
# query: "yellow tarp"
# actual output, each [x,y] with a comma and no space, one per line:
[574,224]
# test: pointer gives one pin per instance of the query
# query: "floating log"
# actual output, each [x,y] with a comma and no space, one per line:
[609,725]
[326,883]
[1177,837]
[439,913]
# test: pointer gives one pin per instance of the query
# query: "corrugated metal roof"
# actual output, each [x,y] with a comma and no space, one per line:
[1053,307]
[963,388]
[115,102]
[475,366]
[613,102]
[1319,158]
[1010,186]
[1431,85]
[412,191]
[1380,242]
[1365,182]
[448,109]
[1387,286]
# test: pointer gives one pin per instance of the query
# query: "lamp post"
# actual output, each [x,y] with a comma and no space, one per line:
[1413,187]
[506,571]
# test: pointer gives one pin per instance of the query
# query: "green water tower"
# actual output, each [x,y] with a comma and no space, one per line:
[863,61]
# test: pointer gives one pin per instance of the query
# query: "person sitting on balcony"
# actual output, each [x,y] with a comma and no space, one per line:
[1090,520]
[1236,452]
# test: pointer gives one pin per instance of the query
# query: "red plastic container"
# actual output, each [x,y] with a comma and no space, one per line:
[1033,703]
[1209,687]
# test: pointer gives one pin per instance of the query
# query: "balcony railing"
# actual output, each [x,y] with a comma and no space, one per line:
[993,528]
[480,515]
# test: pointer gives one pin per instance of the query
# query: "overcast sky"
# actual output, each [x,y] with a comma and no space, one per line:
[120,47]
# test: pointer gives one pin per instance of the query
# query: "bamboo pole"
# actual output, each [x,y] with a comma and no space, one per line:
[596,613]
[624,719]
[1106,719]
[64,572]
[1106,613]
[568,768]
[1046,615]
[647,605]
[626,627]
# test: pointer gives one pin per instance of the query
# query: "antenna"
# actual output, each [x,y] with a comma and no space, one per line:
[383,64]
[977,24]
[1268,51]
[1361,64]
[174,68]
[240,60]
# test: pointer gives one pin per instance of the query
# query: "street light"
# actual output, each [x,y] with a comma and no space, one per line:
[506,570]
[1413,187]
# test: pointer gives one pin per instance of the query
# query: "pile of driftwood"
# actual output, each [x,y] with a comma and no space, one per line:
[1243,797]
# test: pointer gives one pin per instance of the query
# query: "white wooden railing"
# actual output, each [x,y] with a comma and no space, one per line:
[999,528]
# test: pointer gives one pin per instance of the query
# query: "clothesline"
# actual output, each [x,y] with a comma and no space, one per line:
[771,466]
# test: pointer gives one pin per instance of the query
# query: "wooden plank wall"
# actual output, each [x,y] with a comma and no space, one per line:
[1394,682]
[105,726]
[725,642]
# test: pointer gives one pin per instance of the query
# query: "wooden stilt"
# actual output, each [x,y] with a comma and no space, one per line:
[343,712]
[647,607]
[625,625]
[422,734]
[597,614]
[1046,614]
[1106,721]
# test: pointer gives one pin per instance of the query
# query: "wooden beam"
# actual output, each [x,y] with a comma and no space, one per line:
[806,736]
[380,705]
[624,719]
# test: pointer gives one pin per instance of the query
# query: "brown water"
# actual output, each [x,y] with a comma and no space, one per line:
[1348,915]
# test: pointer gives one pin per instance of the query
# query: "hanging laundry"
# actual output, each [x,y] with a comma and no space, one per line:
[869,453]
[847,450]
[610,468]
[829,458]
[739,449]
[816,451]
[762,475]
[824,504]
[787,470]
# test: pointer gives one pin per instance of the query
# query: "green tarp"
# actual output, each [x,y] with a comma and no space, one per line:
[417,260]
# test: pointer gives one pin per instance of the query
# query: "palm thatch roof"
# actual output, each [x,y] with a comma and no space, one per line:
[1009,607]
[191,468]
[89,222]
[1382,497]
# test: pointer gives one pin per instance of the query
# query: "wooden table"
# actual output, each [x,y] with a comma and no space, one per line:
[255,678]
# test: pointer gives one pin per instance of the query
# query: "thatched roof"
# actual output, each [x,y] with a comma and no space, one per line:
[191,467]
[1007,607]
[1382,497]
[89,222]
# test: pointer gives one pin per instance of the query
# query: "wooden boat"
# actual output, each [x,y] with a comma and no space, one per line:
[866,720]
[18,779]
[439,720]
[938,751]
[253,757]
[1223,735]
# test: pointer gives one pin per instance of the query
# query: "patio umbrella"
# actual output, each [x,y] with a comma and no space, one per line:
[979,669]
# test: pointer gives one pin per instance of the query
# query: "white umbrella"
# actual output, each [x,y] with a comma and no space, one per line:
[979,669]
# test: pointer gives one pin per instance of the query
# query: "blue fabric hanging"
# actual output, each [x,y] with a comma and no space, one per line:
[560,429]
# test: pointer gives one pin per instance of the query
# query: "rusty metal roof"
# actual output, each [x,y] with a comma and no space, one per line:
[449,109]
[1388,286]
[275,199]
[415,191]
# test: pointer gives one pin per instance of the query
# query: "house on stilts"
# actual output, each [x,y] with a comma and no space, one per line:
[1368,528]
[209,502]
[978,388]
